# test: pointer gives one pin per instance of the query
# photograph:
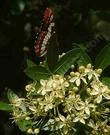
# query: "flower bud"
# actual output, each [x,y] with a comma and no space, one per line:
[36,131]
[99,71]
[72,66]
[27,118]
[77,73]
[30,131]
[57,77]
[66,84]
[75,89]
[72,74]
[107,109]
[88,90]
[89,66]
[81,69]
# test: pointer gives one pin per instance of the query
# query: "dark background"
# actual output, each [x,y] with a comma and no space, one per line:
[77,21]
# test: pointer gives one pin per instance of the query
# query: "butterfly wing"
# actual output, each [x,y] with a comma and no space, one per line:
[47,29]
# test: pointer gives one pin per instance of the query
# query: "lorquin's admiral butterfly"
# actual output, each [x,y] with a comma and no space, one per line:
[47,30]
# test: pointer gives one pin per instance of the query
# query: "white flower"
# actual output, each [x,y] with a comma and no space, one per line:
[72,102]
[81,117]
[56,83]
[59,82]
[19,103]
[99,90]
[92,73]
[86,106]
[46,86]
[48,102]
[31,87]
[77,78]
[99,127]
[64,101]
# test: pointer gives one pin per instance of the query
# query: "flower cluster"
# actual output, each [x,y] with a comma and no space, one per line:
[63,104]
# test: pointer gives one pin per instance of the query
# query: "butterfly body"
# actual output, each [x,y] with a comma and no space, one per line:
[47,29]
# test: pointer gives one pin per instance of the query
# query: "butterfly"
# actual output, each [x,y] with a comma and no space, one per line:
[46,31]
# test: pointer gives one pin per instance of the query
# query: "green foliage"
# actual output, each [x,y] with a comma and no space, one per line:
[103,58]
[37,73]
[5,107]
[106,81]
[76,55]
[84,58]
[30,63]
[11,96]
[66,61]
[24,124]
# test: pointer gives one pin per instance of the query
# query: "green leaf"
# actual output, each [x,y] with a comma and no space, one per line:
[11,96]
[52,53]
[103,58]
[37,73]
[30,63]
[24,125]
[5,107]
[84,58]
[66,61]
[106,81]
[81,46]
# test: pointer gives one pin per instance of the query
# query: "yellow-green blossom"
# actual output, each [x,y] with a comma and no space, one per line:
[77,78]
[80,117]
[100,91]
[60,103]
